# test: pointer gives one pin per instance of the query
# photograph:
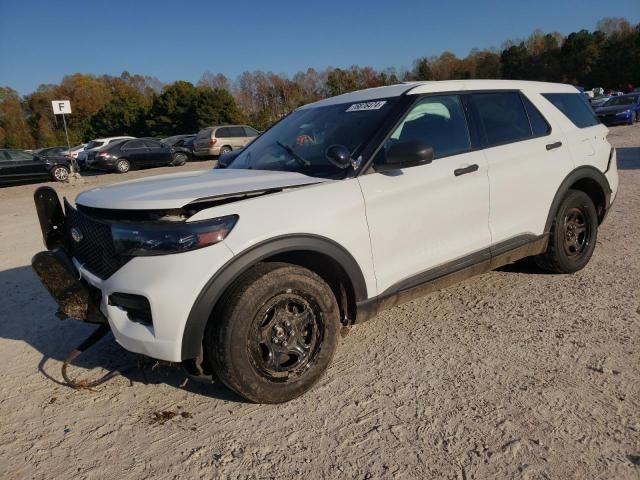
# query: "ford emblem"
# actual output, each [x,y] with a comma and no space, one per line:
[76,234]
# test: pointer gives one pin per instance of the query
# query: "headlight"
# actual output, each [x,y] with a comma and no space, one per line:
[625,113]
[134,240]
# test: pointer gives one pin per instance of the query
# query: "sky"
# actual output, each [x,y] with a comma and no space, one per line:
[41,41]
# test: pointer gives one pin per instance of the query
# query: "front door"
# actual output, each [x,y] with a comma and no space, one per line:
[433,216]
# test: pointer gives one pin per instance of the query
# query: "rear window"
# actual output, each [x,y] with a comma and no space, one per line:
[503,117]
[206,133]
[574,107]
[93,144]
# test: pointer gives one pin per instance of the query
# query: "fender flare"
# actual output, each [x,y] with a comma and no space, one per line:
[579,173]
[207,299]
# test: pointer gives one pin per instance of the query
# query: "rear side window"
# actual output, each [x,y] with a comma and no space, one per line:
[574,107]
[236,131]
[152,144]
[438,121]
[222,132]
[503,117]
[539,125]
[133,144]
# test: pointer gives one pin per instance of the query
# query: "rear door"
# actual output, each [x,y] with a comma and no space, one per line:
[428,220]
[135,151]
[526,160]
[157,153]
[238,137]
[6,168]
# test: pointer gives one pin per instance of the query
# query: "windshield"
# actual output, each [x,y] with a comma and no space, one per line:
[625,100]
[298,143]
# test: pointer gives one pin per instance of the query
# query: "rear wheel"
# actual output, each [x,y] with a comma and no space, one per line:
[179,159]
[224,150]
[123,165]
[275,334]
[573,235]
[60,173]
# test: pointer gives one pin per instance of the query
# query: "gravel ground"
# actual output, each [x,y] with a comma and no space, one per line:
[513,374]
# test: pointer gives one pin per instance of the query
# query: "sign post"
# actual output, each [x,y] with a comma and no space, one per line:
[60,107]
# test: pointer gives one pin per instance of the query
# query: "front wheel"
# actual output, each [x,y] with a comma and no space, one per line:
[573,235]
[275,334]
[179,159]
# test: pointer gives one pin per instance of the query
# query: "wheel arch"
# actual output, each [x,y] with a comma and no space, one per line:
[589,180]
[325,257]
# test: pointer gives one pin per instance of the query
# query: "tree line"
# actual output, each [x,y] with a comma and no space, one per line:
[139,105]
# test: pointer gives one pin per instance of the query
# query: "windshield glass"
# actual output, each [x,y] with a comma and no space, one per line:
[620,101]
[298,143]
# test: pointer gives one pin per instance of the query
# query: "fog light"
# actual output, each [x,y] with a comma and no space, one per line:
[137,307]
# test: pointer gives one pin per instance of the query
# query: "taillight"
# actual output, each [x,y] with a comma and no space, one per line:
[102,154]
[212,142]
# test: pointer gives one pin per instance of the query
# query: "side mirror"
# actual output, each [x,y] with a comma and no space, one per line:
[225,159]
[339,155]
[405,155]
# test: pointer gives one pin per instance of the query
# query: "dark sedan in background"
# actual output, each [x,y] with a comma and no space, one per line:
[18,166]
[123,155]
[623,109]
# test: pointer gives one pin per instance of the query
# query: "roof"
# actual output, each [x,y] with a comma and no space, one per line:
[416,88]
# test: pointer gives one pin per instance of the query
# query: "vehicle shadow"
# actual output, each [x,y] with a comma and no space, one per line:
[27,314]
[628,158]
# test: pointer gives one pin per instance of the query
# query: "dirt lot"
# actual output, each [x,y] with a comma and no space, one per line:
[514,374]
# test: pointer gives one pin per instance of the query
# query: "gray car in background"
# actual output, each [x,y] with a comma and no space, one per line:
[218,140]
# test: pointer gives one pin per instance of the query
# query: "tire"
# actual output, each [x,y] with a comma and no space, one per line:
[224,150]
[123,165]
[179,159]
[573,235]
[275,333]
[60,173]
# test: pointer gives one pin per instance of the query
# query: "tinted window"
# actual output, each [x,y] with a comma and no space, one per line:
[236,131]
[152,144]
[539,125]
[574,107]
[223,132]
[206,133]
[93,144]
[133,144]
[502,116]
[437,121]
[250,132]
[18,155]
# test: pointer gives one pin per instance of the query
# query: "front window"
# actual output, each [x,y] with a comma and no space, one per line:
[299,142]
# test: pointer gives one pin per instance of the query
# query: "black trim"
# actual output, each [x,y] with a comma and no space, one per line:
[225,276]
[580,173]
[450,273]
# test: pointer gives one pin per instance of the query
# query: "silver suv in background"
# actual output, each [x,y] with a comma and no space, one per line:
[214,141]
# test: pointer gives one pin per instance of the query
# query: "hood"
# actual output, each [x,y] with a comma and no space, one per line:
[177,190]
[613,109]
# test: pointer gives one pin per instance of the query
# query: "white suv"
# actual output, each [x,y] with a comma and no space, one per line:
[345,207]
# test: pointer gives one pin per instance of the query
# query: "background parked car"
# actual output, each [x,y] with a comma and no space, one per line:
[184,142]
[95,144]
[619,110]
[218,140]
[73,152]
[50,151]
[123,155]
[18,166]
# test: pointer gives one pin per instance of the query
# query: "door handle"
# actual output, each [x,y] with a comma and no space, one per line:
[461,171]
[551,146]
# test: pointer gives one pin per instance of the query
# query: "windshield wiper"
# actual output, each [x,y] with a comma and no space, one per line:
[290,151]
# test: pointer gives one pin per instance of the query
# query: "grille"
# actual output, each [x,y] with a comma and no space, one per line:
[95,249]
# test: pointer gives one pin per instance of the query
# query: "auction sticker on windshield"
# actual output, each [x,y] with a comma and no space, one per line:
[358,107]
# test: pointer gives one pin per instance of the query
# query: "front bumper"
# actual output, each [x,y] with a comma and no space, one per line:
[170,283]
